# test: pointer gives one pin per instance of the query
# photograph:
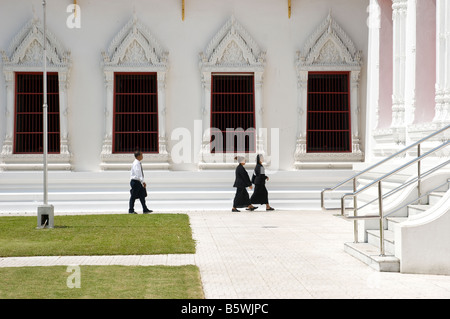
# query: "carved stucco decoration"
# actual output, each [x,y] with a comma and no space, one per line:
[25,54]
[134,49]
[329,48]
[232,49]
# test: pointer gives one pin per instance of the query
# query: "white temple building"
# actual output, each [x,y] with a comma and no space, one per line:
[323,89]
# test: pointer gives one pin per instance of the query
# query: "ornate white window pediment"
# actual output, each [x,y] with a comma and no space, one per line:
[25,54]
[134,49]
[329,48]
[231,50]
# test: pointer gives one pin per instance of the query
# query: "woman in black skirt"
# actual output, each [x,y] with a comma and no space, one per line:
[242,199]
[260,195]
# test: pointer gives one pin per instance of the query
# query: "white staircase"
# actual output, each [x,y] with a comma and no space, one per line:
[369,251]
[108,191]
[403,210]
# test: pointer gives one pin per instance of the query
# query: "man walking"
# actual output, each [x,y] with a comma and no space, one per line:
[138,186]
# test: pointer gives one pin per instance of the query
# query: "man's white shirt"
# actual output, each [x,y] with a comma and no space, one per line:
[136,171]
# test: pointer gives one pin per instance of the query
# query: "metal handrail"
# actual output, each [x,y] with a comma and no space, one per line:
[379,181]
[413,161]
[354,177]
[415,200]
[407,183]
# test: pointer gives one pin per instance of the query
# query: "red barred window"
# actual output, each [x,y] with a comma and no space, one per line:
[135,113]
[232,113]
[328,120]
[28,124]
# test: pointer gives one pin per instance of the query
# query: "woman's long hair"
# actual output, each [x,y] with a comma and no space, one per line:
[257,159]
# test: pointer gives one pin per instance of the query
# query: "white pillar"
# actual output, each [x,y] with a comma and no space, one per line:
[302,88]
[259,113]
[355,112]
[161,77]
[8,120]
[63,112]
[399,8]
[442,112]
[373,75]
[440,58]
[109,84]
[206,112]
[410,63]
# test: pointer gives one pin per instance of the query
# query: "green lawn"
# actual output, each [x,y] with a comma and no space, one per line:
[101,282]
[110,234]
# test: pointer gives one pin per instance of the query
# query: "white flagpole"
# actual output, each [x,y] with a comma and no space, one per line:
[45,211]
[45,111]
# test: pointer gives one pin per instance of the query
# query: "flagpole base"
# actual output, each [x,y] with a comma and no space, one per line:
[45,217]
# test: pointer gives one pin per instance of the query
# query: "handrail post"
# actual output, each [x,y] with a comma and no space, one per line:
[355,212]
[322,201]
[343,205]
[419,191]
[355,205]
[380,204]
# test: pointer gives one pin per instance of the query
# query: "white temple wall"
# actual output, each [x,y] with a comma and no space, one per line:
[266,20]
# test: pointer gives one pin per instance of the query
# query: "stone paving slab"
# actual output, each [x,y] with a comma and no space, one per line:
[271,255]
[293,254]
[131,260]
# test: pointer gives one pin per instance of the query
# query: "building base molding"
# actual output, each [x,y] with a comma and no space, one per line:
[31,162]
[112,161]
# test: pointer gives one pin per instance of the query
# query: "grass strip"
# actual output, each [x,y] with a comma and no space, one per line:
[108,234]
[101,282]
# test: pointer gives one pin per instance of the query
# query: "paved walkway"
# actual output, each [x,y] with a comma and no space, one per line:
[280,254]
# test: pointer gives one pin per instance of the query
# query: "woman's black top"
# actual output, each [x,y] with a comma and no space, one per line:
[242,180]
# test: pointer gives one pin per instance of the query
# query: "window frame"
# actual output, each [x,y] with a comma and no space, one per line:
[348,143]
[253,117]
[153,132]
[16,114]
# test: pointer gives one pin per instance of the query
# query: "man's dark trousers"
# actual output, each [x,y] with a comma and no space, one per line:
[137,191]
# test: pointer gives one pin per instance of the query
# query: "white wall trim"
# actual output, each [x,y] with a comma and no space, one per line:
[232,49]
[328,48]
[134,49]
[25,55]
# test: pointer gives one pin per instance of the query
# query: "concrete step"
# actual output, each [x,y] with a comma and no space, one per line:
[160,194]
[370,255]
[167,189]
[121,206]
[434,197]
[392,222]
[417,209]
[373,238]
[369,252]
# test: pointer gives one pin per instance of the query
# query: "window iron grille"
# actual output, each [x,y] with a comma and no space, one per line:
[328,115]
[232,113]
[135,113]
[28,124]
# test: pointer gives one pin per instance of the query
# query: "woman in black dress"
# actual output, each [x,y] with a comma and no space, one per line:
[260,195]
[242,199]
